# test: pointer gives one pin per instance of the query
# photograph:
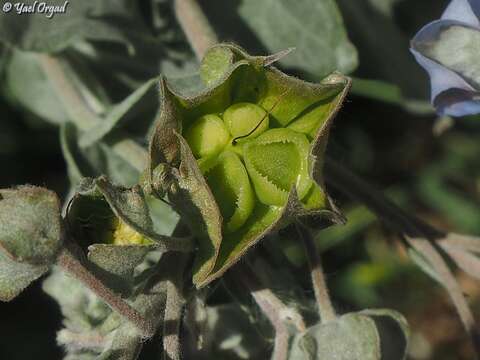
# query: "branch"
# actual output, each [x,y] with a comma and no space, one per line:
[325,307]
[195,25]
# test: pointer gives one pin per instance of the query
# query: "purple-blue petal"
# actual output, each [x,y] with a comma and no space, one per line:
[466,11]
[450,94]
[460,108]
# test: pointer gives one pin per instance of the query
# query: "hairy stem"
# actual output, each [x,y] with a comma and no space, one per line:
[82,115]
[79,341]
[325,307]
[74,266]
[195,25]
[172,349]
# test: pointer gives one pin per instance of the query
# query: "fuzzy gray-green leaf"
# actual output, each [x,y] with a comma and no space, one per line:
[80,20]
[394,332]
[82,309]
[314,27]
[126,344]
[30,225]
[26,84]
[115,115]
[95,160]
[14,276]
[352,336]
[119,262]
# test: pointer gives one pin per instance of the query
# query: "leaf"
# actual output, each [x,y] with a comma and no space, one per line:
[314,27]
[88,320]
[105,21]
[115,115]
[15,277]
[30,225]
[82,309]
[194,200]
[394,332]
[373,32]
[173,169]
[126,340]
[92,329]
[98,159]
[164,218]
[68,143]
[126,344]
[369,335]
[423,264]
[27,85]
[440,270]
[467,261]
[119,262]
[352,336]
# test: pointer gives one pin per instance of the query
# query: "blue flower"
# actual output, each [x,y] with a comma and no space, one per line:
[449,50]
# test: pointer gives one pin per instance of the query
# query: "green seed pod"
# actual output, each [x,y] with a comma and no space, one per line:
[207,136]
[245,121]
[268,172]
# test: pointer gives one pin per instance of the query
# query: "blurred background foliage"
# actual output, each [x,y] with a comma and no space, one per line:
[387,132]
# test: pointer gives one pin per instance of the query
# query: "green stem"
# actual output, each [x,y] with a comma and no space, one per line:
[196,26]
[325,307]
